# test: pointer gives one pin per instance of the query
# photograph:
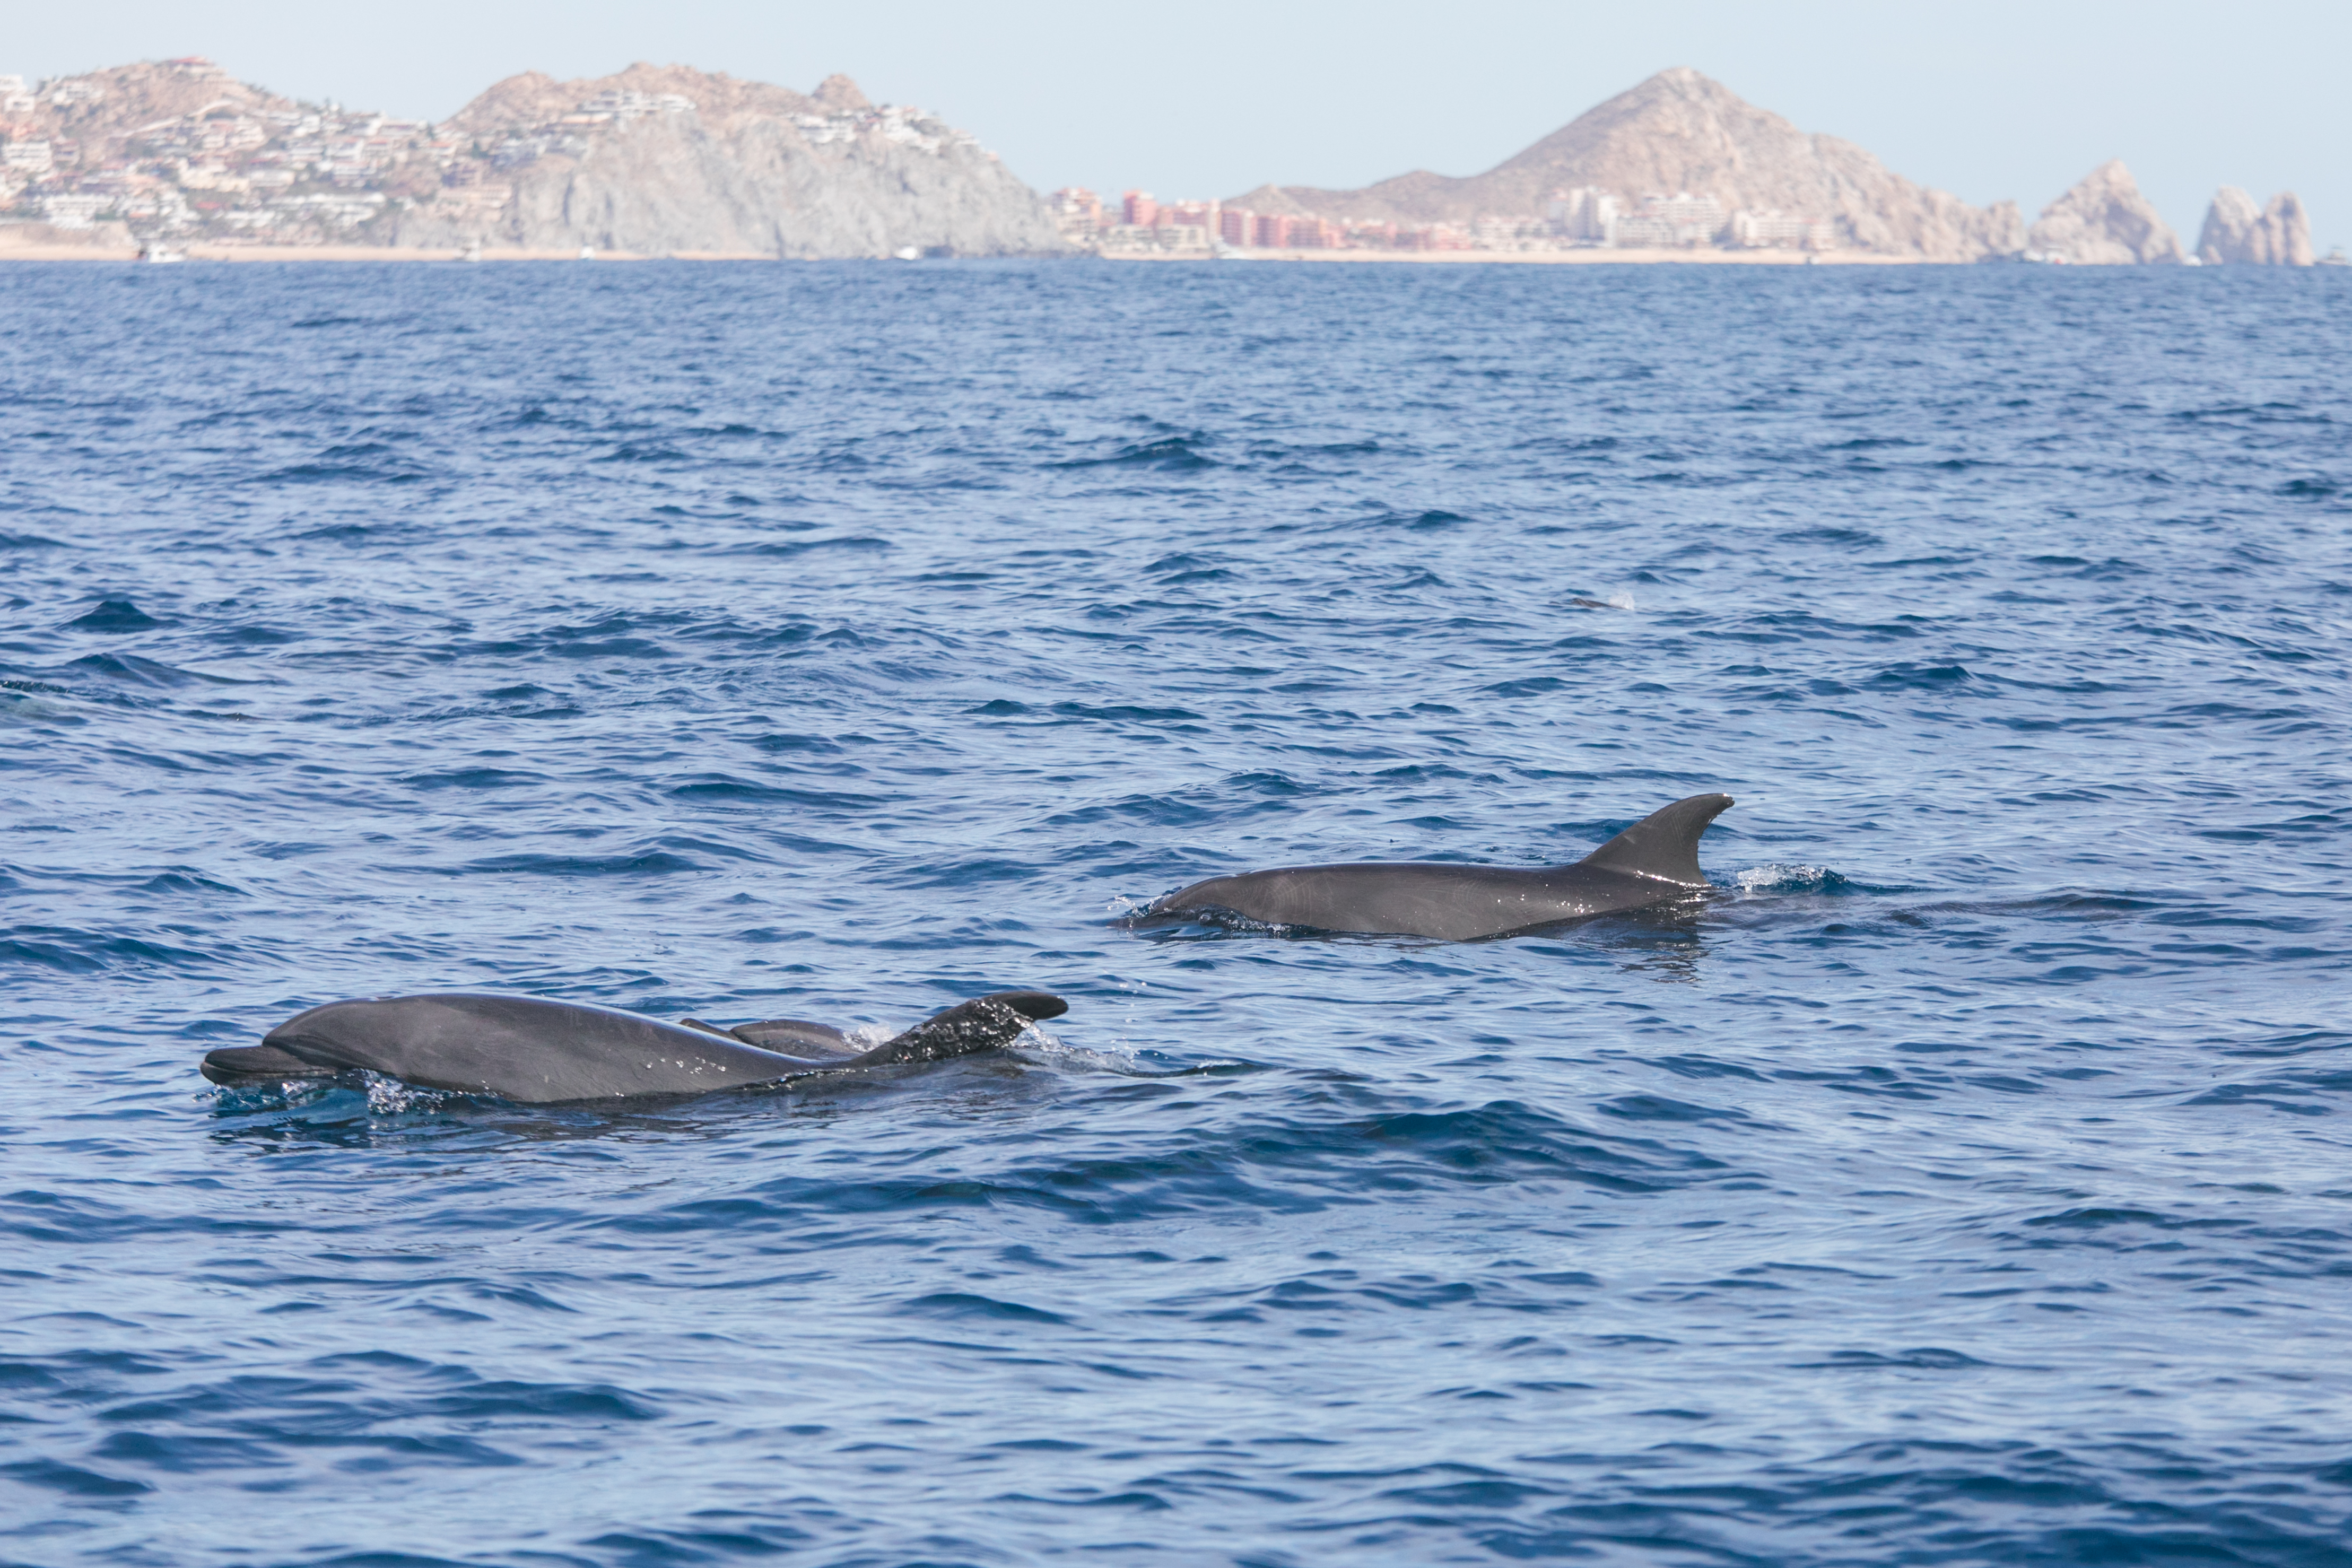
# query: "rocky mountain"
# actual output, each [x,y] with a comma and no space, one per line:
[102,112]
[2237,231]
[668,159]
[1682,132]
[2105,220]
[654,160]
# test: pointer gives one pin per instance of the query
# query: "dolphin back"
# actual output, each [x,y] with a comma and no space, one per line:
[1663,846]
[1655,861]
[792,1038]
[523,1048]
[539,1052]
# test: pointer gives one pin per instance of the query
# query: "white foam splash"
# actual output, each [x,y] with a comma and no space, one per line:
[1118,1058]
[390,1097]
[281,1096]
[1622,600]
[1759,879]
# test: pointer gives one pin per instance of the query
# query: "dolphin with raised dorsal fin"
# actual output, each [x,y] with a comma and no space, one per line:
[1655,861]
[539,1052]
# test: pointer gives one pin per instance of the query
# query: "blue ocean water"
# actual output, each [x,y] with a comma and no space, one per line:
[1967,1183]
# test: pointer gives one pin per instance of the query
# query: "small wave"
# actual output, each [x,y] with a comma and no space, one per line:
[1176,454]
[335,473]
[113,615]
[140,671]
[1922,677]
[653,862]
[1842,538]
[1128,714]
[70,951]
[965,1304]
[1434,520]
[55,1475]
[787,548]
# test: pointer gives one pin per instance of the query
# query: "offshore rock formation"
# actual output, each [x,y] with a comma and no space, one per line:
[2236,231]
[1681,131]
[667,159]
[2105,221]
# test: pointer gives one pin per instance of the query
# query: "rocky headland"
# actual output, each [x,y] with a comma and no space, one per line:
[1679,132]
[685,161]
[671,161]
[1681,143]
[653,161]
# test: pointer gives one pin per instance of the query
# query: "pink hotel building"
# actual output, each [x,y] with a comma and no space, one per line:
[1234,225]
[1083,214]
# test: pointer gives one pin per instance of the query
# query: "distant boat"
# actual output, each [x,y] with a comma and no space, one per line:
[2336,258]
[160,255]
[587,253]
[473,252]
[907,253]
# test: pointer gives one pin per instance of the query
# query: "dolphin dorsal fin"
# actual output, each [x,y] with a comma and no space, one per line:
[1664,845]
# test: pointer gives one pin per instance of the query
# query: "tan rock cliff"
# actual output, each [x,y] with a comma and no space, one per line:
[696,161]
[657,159]
[2236,231]
[2105,221]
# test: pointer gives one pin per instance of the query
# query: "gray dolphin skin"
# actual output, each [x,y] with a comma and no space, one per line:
[1655,861]
[543,1053]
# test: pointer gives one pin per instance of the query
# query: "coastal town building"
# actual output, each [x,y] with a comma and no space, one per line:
[1154,227]
[1587,214]
[1774,230]
[1680,221]
[1577,218]
[1077,214]
[1157,238]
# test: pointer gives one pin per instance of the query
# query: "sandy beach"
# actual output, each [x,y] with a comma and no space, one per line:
[1596,256]
[54,252]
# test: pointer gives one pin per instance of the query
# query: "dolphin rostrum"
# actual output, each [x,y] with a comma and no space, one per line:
[539,1052]
[1655,861]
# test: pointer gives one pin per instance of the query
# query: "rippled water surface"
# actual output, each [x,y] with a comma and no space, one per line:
[1967,1182]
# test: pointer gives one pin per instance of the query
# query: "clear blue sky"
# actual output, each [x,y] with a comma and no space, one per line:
[1986,98]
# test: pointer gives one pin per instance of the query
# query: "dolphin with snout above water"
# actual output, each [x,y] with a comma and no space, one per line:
[539,1052]
[1655,861]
